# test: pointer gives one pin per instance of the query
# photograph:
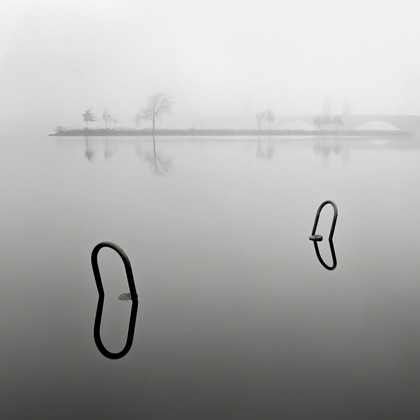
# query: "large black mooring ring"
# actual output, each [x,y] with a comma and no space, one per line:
[127,265]
[130,335]
[134,298]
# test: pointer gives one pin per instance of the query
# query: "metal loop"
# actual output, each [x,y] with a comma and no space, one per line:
[318,238]
[134,298]
[127,265]
[334,258]
[315,237]
[130,334]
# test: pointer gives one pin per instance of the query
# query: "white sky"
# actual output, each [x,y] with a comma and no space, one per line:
[215,57]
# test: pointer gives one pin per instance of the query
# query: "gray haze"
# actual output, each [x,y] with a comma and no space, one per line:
[219,60]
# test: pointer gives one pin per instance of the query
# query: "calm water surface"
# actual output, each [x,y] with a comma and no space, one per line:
[237,318]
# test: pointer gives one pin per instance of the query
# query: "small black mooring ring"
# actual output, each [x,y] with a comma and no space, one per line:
[315,238]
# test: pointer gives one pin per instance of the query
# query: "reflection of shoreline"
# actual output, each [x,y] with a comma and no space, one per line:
[327,147]
[96,146]
[353,143]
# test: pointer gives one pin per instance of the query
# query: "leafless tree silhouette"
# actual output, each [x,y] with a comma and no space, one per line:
[137,119]
[108,118]
[265,116]
[318,122]
[269,117]
[157,106]
[260,116]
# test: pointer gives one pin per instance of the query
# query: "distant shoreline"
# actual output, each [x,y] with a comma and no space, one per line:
[102,132]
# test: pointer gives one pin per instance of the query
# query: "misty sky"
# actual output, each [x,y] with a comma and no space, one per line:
[215,58]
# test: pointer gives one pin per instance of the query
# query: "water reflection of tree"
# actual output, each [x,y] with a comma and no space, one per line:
[108,152]
[266,152]
[139,151]
[88,151]
[328,147]
[159,165]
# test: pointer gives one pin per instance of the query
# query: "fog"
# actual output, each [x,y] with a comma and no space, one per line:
[219,60]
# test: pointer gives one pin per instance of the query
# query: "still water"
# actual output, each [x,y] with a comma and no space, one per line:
[236,316]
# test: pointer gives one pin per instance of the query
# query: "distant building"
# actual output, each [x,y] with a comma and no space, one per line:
[326,105]
[346,107]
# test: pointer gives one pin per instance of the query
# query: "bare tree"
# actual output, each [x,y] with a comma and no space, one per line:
[318,122]
[157,106]
[260,116]
[108,118]
[269,118]
[88,116]
[137,119]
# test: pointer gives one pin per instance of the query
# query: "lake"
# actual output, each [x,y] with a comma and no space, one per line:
[237,318]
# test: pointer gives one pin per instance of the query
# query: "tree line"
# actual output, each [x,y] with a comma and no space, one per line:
[324,121]
[156,107]
[320,121]
[160,104]
[265,116]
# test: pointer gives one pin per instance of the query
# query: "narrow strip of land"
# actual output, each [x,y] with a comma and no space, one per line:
[230,132]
